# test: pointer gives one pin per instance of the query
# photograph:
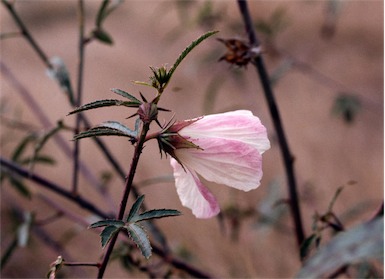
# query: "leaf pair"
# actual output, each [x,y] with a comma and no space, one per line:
[134,230]
[110,128]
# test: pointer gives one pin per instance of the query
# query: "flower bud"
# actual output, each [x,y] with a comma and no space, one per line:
[148,112]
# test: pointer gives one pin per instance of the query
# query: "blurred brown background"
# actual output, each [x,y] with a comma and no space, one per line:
[313,67]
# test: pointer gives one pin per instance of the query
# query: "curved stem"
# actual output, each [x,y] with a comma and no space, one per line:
[274,112]
[123,203]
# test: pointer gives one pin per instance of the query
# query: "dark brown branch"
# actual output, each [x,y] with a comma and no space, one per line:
[274,112]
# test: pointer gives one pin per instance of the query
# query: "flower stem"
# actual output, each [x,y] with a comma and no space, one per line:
[123,204]
[286,154]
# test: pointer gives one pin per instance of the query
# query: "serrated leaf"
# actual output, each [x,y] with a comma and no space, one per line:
[104,103]
[107,234]
[112,222]
[126,95]
[135,208]
[120,127]
[139,236]
[101,131]
[362,243]
[187,50]
[155,213]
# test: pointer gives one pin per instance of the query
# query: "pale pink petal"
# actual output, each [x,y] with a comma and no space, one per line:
[192,193]
[222,161]
[240,125]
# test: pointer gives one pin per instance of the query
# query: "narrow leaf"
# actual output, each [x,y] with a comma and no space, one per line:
[19,186]
[100,131]
[102,36]
[101,13]
[142,83]
[362,243]
[156,213]
[126,95]
[8,252]
[188,49]
[107,234]
[135,208]
[112,222]
[305,247]
[120,127]
[139,236]
[104,103]
[19,150]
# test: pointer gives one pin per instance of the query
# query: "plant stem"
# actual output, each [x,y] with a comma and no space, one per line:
[87,205]
[128,186]
[26,33]
[76,153]
[286,154]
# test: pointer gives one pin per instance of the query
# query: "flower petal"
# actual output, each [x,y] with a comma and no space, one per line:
[240,125]
[192,193]
[223,161]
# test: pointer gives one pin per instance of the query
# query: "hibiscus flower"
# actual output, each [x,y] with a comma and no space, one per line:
[224,148]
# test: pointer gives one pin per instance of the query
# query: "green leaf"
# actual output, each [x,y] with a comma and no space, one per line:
[19,150]
[8,252]
[142,83]
[104,103]
[155,213]
[107,234]
[139,236]
[111,222]
[126,95]
[189,49]
[347,106]
[102,131]
[43,159]
[362,243]
[135,208]
[305,247]
[102,13]
[120,127]
[102,36]
[19,186]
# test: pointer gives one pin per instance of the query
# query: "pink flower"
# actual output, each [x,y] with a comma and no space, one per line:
[224,148]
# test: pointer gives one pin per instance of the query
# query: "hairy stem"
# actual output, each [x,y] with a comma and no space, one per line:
[128,186]
[274,112]
[89,206]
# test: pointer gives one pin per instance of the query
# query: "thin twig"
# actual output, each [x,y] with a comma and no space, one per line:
[81,48]
[286,154]
[27,34]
